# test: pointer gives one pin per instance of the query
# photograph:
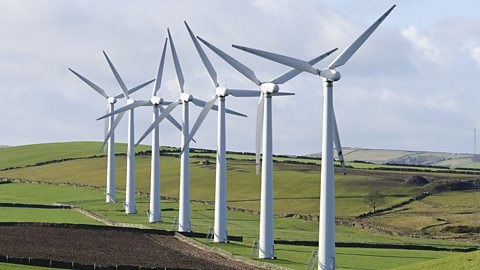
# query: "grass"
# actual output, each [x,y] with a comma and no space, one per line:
[467,261]
[239,223]
[11,214]
[296,186]
[11,266]
[34,153]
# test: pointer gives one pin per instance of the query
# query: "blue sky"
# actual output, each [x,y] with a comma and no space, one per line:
[413,85]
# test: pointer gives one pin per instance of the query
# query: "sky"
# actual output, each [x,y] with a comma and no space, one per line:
[412,86]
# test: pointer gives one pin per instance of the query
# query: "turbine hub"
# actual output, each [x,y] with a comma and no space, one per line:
[156,100]
[130,101]
[186,97]
[112,100]
[221,92]
[330,74]
[269,88]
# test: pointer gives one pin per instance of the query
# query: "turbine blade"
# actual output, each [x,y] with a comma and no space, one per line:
[259,133]
[158,80]
[350,50]
[338,146]
[178,69]
[162,116]
[91,84]
[110,132]
[233,112]
[233,62]
[117,76]
[105,128]
[244,93]
[135,89]
[211,71]
[294,72]
[201,117]
[171,119]
[136,103]
[283,94]
[282,59]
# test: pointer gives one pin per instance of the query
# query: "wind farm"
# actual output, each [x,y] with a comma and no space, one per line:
[263,185]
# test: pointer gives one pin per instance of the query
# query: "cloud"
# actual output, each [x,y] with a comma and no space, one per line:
[424,44]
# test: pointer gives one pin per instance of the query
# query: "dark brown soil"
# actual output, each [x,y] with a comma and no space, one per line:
[109,247]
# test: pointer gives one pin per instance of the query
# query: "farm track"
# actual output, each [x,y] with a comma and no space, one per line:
[110,247]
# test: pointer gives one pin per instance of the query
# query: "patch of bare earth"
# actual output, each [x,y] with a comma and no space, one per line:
[109,247]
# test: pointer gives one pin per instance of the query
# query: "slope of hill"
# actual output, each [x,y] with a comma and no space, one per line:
[403,157]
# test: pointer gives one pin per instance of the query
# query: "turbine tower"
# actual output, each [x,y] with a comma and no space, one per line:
[156,102]
[326,246]
[264,140]
[110,125]
[220,221]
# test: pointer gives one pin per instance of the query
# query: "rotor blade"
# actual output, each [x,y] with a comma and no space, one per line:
[338,146]
[91,84]
[105,128]
[133,105]
[259,132]
[117,76]
[282,59]
[203,56]
[283,94]
[244,93]
[178,69]
[158,80]
[162,116]
[294,72]
[230,111]
[350,50]
[201,117]
[110,132]
[171,119]
[233,62]
[135,89]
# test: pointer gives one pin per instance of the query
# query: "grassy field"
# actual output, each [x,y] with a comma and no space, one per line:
[467,261]
[296,190]
[245,224]
[297,187]
[34,153]
[10,266]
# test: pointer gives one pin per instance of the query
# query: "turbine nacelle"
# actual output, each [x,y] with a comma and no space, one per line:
[156,100]
[329,74]
[269,88]
[221,92]
[111,100]
[184,97]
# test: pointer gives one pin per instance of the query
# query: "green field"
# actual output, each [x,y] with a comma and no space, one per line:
[239,224]
[296,191]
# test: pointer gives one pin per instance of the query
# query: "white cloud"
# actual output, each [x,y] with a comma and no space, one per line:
[424,44]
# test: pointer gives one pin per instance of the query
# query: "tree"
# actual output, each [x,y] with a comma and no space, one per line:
[375,198]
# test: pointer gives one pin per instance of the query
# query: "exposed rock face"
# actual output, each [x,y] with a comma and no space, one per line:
[417,180]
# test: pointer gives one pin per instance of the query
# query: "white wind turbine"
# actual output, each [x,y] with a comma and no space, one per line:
[110,124]
[264,128]
[156,102]
[220,221]
[185,98]
[130,206]
[326,245]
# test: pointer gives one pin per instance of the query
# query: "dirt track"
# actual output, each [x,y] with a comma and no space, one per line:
[109,247]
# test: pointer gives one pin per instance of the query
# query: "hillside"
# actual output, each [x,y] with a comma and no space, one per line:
[403,157]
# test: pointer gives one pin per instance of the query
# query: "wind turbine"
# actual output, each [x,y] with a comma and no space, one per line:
[326,246]
[156,102]
[184,99]
[110,125]
[264,128]
[220,221]
[130,206]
